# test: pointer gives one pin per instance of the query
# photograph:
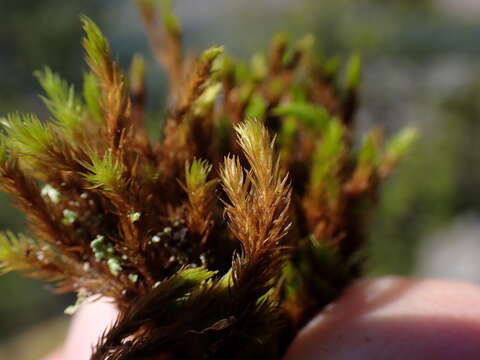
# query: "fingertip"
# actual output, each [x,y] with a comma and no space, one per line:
[88,324]
[56,355]
[395,318]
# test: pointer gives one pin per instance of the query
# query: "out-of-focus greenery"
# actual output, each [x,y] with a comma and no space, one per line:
[34,34]
[419,67]
[437,184]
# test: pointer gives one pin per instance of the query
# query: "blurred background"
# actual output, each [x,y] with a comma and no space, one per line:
[421,66]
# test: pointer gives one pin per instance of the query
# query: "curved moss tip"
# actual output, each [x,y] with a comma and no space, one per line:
[92,30]
[281,39]
[399,145]
[316,118]
[307,42]
[196,173]
[211,54]
[104,171]
[95,42]
[137,73]
[170,20]
[60,99]
[354,72]
[27,135]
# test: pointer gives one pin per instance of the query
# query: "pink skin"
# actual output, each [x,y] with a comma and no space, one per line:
[386,318]
[87,326]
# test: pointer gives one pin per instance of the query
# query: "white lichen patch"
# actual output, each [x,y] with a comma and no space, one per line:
[51,193]
[99,247]
[69,217]
[81,297]
[134,217]
[40,256]
[133,278]
[114,266]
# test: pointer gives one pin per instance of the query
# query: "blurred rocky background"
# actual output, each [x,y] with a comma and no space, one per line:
[421,66]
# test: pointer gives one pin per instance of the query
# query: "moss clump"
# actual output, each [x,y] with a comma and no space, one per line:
[222,239]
